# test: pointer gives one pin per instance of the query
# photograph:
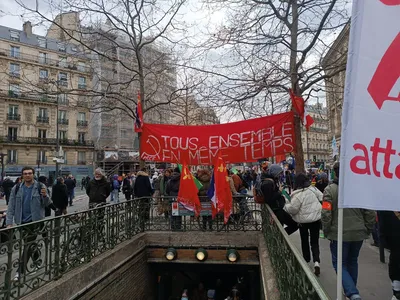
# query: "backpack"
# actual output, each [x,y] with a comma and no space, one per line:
[257,191]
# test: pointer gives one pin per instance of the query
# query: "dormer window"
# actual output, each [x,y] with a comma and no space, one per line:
[14,35]
[42,42]
[61,47]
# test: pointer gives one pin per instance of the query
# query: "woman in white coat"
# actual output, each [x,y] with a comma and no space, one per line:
[305,208]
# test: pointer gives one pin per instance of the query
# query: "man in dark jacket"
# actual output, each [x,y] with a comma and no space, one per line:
[98,189]
[71,184]
[172,190]
[271,189]
[143,190]
[7,187]
[59,196]
[204,177]
[357,226]
[389,227]
[47,210]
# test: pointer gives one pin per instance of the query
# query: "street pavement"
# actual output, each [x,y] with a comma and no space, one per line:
[373,279]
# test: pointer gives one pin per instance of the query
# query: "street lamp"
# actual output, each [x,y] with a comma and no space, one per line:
[2,155]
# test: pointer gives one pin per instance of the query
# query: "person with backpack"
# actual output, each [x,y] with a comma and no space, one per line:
[60,196]
[28,200]
[115,186]
[357,226]
[305,209]
[389,227]
[269,191]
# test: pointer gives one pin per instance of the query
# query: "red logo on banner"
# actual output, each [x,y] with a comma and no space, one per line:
[385,84]
[391,2]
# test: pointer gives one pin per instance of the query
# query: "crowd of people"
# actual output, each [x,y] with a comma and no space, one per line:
[307,202]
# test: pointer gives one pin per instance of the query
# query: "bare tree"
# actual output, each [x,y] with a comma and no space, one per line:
[266,47]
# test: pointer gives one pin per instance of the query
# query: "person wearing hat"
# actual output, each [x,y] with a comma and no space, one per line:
[357,226]
[272,192]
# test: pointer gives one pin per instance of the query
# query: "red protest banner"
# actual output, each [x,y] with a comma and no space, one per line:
[243,141]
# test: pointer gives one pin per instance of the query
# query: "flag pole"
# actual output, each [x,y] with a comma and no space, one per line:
[339,255]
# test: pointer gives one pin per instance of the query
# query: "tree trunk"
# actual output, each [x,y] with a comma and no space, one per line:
[142,163]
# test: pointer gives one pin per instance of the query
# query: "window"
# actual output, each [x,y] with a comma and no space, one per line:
[14,90]
[43,74]
[81,137]
[81,82]
[11,156]
[12,133]
[62,99]
[81,67]
[14,51]
[14,70]
[43,58]
[13,109]
[14,35]
[81,116]
[62,114]
[61,47]
[43,112]
[81,157]
[62,62]
[42,42]
[63,78]
[62,134]
[42,133]
[42,157]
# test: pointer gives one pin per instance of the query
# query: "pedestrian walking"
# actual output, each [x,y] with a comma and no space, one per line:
[305,209]
[28,200]
[272,192]
[7,186]
[98,189]
[389,227]
[204,177]
[163,207]
[115,187]
[59,197]
[83,183]
[47,210]
[143,191]
[357,226]
[127,187]
[71,184]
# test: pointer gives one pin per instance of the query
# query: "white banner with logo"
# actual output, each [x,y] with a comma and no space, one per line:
[370,143]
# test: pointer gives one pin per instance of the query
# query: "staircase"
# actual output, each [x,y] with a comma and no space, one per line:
[114,169]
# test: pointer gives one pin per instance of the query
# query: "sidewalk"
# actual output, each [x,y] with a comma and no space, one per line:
[373,278]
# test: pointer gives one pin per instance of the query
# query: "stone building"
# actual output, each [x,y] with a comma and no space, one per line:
[43,82]
[334,64]
[115,85]
[316,144]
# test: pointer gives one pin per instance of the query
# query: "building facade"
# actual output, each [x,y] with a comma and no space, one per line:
[187,111]
[334,64]
[316,144]
[42,89]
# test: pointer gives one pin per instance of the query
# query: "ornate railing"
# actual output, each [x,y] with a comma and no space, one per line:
[294,277]
[47,141]
[43,251]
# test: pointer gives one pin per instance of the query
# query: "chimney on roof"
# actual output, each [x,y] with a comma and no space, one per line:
[27,28]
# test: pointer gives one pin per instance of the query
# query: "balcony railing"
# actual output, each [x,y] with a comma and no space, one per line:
[82,86]
[40,119]
[45,61]
[63,82]
[63,121]
[42,161]
[82,123]
[63,102]
[44,141]
[12,162]
[81,103]
[31,96]
[13,117]
[14,74]
[81,162]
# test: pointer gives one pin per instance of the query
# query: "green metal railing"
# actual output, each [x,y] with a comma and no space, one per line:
[45,250]
[294,277]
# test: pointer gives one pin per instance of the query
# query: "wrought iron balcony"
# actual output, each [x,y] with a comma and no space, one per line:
[63,82]
[40,119]
[15,74]
[45,60]
[42,161]
[81,162]
[63,121]
[64,102]
[13,117]
[82,86]
[82,123]
[44,141]
[29,96]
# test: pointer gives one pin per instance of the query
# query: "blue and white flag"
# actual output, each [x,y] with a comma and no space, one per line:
[211,192]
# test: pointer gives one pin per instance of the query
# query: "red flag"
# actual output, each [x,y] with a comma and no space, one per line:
[187,195]
[139,115]
[299,106]
[222,189]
